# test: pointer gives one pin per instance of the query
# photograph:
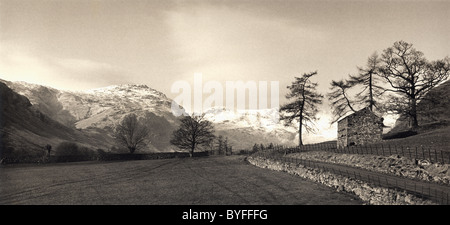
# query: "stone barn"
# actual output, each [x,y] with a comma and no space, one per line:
[360,128]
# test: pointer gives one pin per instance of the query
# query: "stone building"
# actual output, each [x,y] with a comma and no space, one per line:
[360,128]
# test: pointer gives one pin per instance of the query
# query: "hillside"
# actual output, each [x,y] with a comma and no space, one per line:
[433,109]
[95,113]
[434,122]
[26,130]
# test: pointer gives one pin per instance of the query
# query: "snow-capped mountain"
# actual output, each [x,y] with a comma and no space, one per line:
[267,119]
[255,126]
[99,110]
[104,107]
[25,130]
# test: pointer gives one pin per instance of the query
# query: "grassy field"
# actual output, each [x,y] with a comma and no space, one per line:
[190,181]
[434,135]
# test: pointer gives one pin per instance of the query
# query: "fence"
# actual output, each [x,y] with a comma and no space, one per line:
[101,156]
[427,191]
[413,152]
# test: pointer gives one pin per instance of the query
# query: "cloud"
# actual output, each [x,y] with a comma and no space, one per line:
[229,43]
[22,64]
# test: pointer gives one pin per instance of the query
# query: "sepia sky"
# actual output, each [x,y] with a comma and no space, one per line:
[84,44]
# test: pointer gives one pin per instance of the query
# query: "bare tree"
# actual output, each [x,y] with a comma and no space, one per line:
[194,131]
[304,105]
[369,79]
[339,100]
[131,134]
[411,76]
[225,146]
[220,144]
[48,147]
[255,148]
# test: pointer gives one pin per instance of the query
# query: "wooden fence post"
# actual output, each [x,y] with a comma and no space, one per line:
[435,156]
[429,154]
[422,191]
[435,192]
[423,153]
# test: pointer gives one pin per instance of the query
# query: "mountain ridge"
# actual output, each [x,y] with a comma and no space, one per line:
[96,112]
[25,130]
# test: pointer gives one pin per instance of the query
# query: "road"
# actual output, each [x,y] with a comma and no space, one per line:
[214,180]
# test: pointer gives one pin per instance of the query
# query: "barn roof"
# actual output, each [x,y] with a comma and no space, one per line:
[362,111]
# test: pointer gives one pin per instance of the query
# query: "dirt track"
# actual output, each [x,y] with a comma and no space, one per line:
[197,181]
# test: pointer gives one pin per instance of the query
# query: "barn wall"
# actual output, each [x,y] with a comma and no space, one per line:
[342,133]
[360,128]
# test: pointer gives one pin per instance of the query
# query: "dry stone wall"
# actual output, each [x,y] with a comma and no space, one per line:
[394,164]
[371,194]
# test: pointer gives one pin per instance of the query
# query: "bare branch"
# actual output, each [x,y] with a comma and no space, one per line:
[194,131]
[131,134]
[304,106]
[411,75]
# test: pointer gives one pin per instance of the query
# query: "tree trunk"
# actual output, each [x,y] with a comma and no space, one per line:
[191,152]
[415,123]
[370,93]
[302,107]
[300,142]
